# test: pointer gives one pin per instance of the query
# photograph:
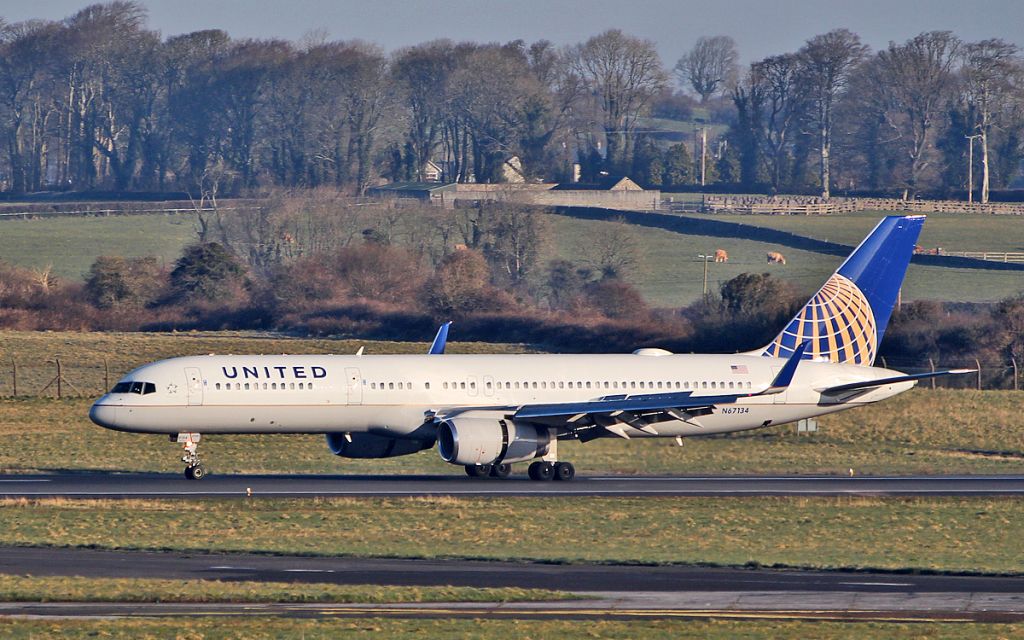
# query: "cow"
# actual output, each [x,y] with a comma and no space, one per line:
[721,255]
[774,257]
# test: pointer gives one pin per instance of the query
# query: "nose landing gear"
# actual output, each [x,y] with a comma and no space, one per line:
[190,443]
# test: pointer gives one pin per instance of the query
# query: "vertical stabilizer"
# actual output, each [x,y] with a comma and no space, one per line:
[845,320]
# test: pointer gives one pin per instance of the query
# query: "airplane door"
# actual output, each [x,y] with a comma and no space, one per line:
[488,385]
[353,386]
[195,385]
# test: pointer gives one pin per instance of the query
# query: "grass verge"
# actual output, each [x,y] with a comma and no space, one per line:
[80,589]
[486,629]
[920,534]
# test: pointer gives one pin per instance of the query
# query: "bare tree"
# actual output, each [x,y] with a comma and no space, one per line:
[710,66]
[783,98]
[624,73]
[827,62]
[991,76]
[913,82]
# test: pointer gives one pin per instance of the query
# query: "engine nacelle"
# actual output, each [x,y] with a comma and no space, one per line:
[481,437]
[369,445]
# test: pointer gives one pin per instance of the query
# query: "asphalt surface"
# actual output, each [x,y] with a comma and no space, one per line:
[153,485]
[609,592]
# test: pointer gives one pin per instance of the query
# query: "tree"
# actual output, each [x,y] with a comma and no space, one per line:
[913,83]
[991,78]
[624,73]
[677,166]
[827,61]
[460,284]
[777,83]
[205,272]
[710,66]
[115,281]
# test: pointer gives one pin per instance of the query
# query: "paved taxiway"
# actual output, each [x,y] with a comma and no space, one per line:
[152,485]
[610,591]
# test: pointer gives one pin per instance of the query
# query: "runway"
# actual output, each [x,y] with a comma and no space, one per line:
[110,485]
[608,591]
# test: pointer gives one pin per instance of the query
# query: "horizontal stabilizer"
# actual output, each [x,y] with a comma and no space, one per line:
[881,382]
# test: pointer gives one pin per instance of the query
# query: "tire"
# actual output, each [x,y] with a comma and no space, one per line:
[564,471]
[501,470]
[188,473]
[198,472]
[541,471]
[478,470]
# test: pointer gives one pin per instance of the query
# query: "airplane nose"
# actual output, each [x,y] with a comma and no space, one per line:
[104,415]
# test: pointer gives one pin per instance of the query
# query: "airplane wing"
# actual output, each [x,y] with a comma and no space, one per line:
[643,411]
[870,384]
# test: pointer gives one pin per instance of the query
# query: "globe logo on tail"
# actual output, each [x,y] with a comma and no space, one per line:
[838,323]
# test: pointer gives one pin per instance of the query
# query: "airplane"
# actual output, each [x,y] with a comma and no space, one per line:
[486,412]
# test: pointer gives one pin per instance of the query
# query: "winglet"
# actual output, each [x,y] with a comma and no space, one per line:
[781,381]
[440,340]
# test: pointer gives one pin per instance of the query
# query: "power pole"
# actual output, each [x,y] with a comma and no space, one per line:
[703,154]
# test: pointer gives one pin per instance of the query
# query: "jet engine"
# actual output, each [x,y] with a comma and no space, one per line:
[369,445]
[482,437]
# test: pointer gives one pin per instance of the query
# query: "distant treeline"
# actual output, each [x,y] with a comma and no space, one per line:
[99,102]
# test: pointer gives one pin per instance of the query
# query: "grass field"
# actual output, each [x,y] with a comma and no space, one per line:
[209,628]
[934,534]
[668,272]
[79,589]
[71,244]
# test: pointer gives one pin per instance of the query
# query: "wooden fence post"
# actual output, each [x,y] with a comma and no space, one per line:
[931,363]
[60,380]
[979,373]
[1016,379]
[14,375]
[106,375]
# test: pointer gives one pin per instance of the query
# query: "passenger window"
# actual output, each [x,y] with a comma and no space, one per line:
[588,384]
[238,386]
[426,385]
[462,385]
[570,384]
[704,385]
[712,385]
[246,386]
[488,385]
[391,385]
[292,385]
[561,385]
[264,386]
[659,384]
[472,385]
[300,386]
[444,385]
[641,384]
[731,385]
[517,385]
[217,386]
[535,384]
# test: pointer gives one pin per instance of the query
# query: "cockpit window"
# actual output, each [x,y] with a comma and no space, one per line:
[141,388]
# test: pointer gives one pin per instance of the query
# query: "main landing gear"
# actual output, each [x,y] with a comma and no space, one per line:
[190,442]
[489,470]
[543,470]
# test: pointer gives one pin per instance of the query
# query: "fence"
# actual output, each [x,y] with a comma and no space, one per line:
[58,378]
[809,205]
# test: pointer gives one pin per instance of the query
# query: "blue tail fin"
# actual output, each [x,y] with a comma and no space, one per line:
[845,320]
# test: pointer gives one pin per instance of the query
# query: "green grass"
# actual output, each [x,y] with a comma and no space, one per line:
[80,589]
[669,274]
[71,244]
[211,628]
[934,534]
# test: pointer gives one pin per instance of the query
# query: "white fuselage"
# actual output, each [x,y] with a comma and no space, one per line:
[400,395]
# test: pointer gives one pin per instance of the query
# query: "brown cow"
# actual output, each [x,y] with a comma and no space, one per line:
[774,257]
[721,255]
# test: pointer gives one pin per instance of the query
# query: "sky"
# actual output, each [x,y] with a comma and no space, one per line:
[760,27]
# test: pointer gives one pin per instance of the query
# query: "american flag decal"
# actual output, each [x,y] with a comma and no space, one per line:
[739,368]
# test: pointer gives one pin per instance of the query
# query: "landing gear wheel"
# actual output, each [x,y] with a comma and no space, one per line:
[541,471]
[197,472]
[478,470]
[501,470]
[564,471]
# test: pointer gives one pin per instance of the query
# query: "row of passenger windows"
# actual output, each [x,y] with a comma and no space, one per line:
[544,384]
[244,386]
